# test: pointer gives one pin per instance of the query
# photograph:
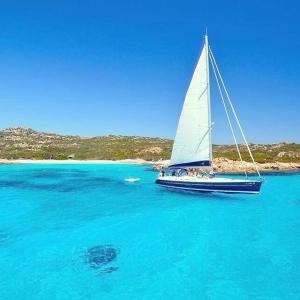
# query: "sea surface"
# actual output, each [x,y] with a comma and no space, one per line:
[82,232]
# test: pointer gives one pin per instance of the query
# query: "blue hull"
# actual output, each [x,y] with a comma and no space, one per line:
[249,187]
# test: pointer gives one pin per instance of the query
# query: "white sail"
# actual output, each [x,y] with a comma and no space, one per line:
[192,145]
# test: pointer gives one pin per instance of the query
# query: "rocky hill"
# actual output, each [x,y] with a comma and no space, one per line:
[263,153]
[26,143]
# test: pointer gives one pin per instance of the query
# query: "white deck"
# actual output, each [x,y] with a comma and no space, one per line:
[199,179]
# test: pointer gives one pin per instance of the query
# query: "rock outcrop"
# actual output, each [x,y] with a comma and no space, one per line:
[225,165]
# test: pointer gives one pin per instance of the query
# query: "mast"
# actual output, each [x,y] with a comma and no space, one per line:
[208,94]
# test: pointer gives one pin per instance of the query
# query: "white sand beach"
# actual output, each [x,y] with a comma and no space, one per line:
[70,161]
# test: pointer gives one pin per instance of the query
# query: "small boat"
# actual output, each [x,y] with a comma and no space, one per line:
[131,179]
[191,166]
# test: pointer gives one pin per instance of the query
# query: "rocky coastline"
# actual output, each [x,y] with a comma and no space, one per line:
[19,145]
[227,166]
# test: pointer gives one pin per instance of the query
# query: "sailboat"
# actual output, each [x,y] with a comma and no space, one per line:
[191,166]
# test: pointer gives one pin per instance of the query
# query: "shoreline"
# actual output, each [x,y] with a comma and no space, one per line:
[221,165]
[73,161]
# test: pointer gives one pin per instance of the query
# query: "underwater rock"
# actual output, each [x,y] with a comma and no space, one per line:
[98,257]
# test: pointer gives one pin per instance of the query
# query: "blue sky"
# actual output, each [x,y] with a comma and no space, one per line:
[122,67]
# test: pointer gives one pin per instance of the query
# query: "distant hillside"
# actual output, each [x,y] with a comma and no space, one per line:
[281,152]
[26,143]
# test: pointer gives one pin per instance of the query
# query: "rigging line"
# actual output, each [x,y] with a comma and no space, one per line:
[227,115]
[234,113]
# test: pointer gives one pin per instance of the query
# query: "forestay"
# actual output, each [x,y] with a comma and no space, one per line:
[192,145]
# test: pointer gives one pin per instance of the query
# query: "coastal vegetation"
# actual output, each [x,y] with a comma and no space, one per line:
[25,143]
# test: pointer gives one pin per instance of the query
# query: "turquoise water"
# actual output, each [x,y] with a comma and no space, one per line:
[82,232]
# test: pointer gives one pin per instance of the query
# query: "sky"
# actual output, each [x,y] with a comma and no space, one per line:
[123,67]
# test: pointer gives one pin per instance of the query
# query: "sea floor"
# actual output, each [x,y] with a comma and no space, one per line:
[82,232]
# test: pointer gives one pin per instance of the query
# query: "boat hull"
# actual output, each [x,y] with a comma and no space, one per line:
[244,187]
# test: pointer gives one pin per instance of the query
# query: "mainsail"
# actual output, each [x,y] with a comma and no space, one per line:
[192,145]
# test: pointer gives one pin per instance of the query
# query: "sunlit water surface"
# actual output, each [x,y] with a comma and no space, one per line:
[82,232]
